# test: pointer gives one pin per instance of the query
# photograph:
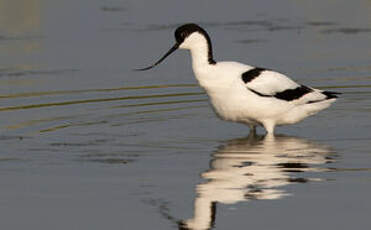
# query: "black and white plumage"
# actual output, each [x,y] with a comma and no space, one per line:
[247,94]
[268,83]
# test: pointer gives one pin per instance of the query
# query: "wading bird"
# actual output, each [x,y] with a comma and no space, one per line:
[246,94]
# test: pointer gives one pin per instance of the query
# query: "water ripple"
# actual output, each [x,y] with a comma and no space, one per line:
[64,92]
[96,100]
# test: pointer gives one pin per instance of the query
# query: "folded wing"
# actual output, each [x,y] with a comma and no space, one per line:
[267,83]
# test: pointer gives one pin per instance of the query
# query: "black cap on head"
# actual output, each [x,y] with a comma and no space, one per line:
[181,33]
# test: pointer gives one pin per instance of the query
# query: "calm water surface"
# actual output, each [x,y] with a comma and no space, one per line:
[86,143]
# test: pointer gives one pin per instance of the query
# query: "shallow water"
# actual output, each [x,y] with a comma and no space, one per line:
[86,143]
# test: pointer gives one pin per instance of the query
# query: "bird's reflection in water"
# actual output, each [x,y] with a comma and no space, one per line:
[254,168]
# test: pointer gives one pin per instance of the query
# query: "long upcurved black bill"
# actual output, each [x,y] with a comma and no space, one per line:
[171,50]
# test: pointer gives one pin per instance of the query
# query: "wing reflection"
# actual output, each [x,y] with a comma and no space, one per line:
[255,167]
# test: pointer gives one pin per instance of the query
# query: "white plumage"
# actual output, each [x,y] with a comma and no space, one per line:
[247,94]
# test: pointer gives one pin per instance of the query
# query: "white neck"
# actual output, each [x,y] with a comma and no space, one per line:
[203,214]
[199,47]
[199,52]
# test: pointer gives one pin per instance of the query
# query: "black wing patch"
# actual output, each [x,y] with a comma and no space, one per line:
[293,94]
[251,74]
[289,94]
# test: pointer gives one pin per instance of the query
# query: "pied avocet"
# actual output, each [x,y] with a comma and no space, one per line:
[247,94]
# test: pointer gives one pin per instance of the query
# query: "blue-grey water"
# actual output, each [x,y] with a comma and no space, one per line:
[87,143]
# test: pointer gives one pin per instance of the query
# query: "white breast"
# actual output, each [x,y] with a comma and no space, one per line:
[230,97]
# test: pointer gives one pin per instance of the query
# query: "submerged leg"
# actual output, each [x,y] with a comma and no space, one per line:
[269,126]
[252,129]
[252,134]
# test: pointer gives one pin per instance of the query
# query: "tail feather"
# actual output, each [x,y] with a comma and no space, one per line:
[331,94]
